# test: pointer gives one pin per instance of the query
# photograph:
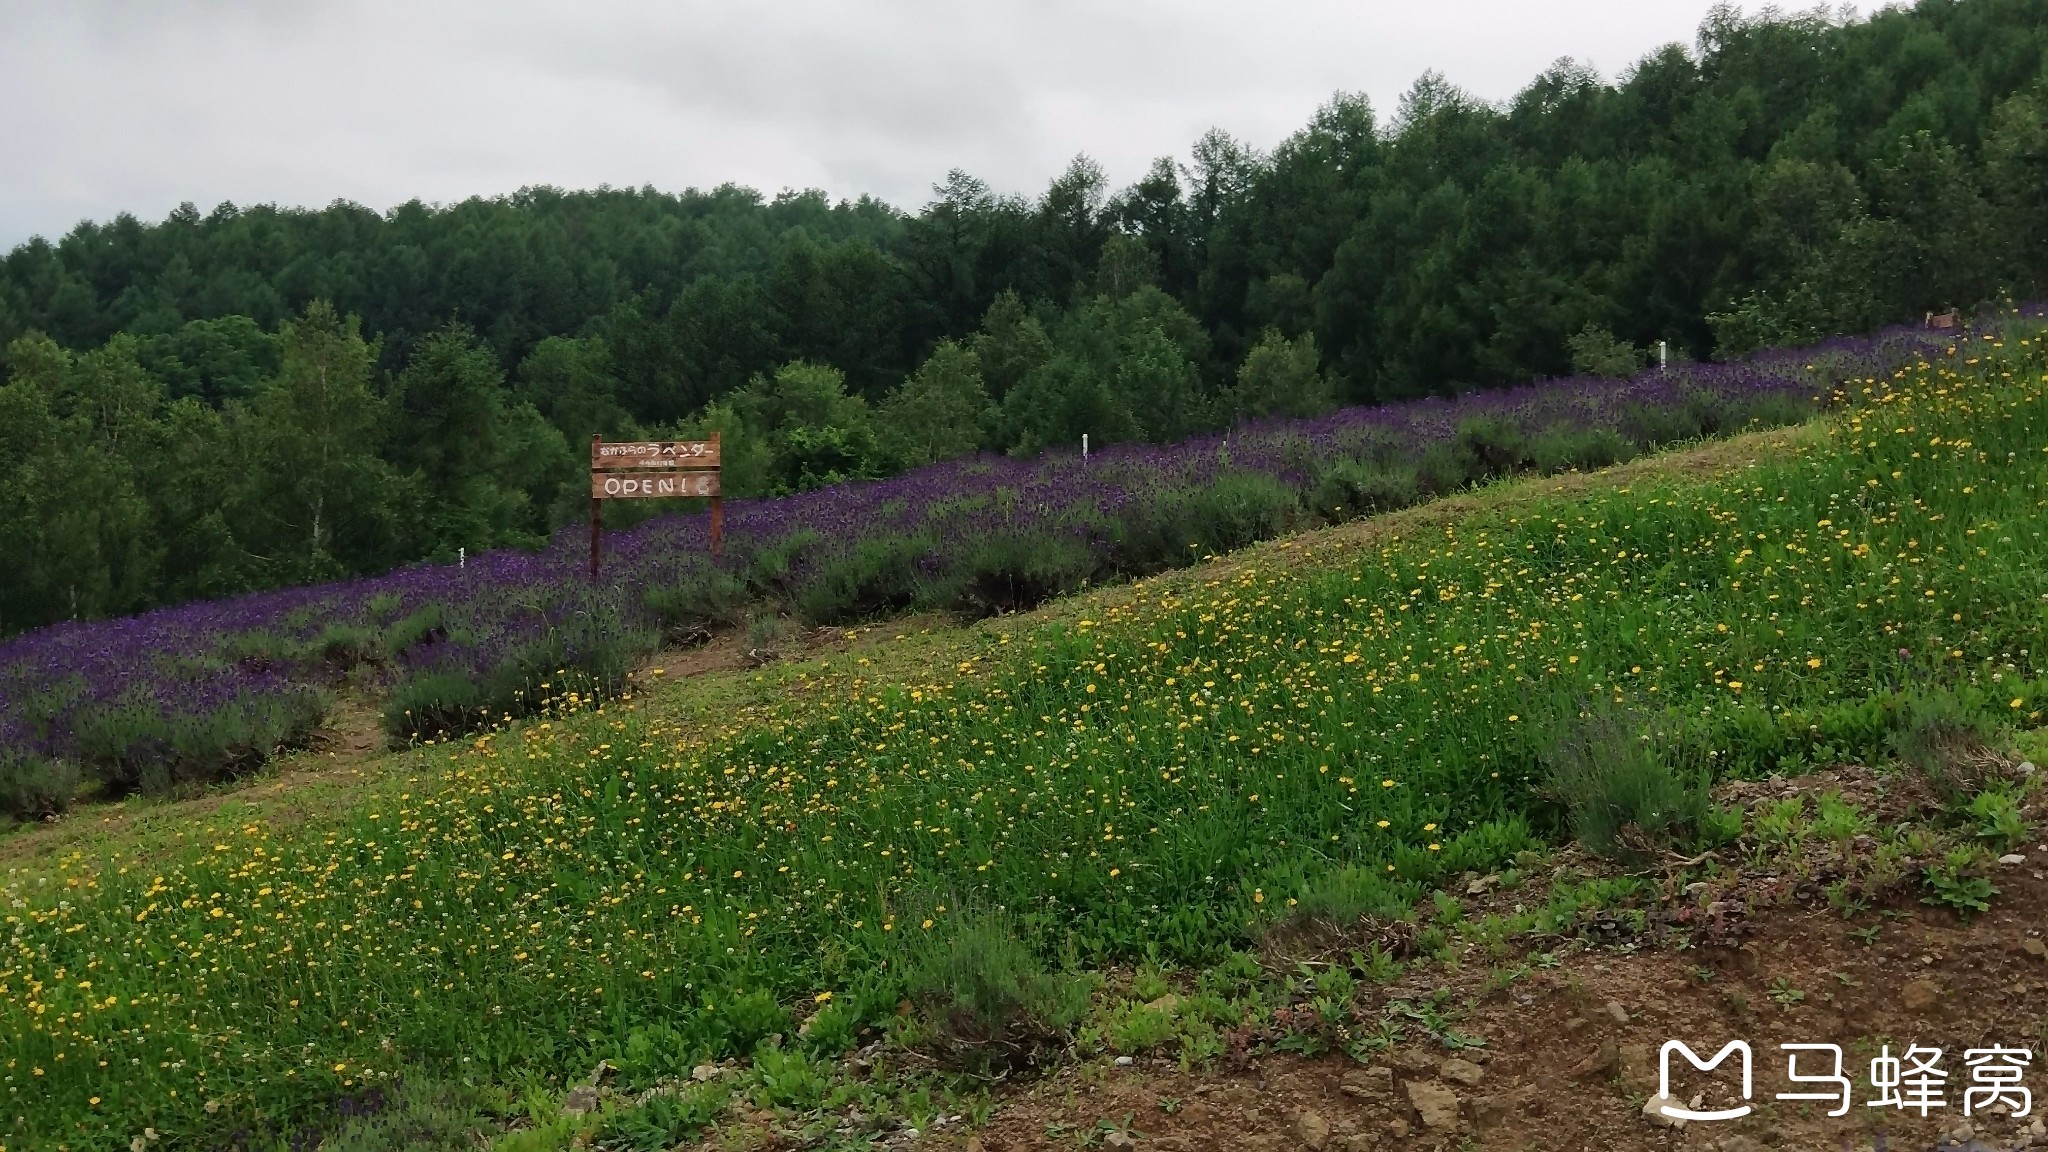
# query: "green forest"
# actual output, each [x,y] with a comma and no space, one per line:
[264,396]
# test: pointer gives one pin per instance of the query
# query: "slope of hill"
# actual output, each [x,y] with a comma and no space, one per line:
[1183,772]
[177,698]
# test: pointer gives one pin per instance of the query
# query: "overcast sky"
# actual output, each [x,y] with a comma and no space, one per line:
[137,105]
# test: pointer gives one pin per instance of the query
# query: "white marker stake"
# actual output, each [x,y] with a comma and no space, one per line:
[1084,445]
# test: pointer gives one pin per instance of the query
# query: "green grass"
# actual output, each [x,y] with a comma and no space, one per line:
[1158,779]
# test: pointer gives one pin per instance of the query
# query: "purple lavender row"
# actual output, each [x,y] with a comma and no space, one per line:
[211,687]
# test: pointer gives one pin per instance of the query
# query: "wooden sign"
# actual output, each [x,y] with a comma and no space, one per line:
[652,470]
[653,454]
[652,486]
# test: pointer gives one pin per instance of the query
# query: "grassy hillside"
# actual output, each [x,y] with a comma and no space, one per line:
[1158,778]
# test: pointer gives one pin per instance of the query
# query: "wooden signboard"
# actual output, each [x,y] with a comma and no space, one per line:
[652,470]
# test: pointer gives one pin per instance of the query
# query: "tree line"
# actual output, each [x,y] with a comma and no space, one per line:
[256,397]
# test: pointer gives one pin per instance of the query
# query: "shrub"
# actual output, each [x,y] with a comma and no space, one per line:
[766,629]
[879,576]
[1486,846]
[700,600]
[1958,882]
[1173,527]
[589,652]
[417,1116]
[1344,897]
[417,628]
[433,702]
[665,1119]
[1620,796]
[833,1029]
[788,1078]
[343,646]
[740,1021]
[33,787]
[1996,818]
[1495,446]
[1137,1028]
[1562,450]
[1444,469]
[142,746]
[986,996]
[1936,736]
[652,1052]
[1351,488]
[1014,571]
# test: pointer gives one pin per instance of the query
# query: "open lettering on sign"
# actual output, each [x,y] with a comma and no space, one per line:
[669,485]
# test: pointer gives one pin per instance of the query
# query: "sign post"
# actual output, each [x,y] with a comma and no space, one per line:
[652,470]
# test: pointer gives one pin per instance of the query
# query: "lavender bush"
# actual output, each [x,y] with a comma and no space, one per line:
[207,690]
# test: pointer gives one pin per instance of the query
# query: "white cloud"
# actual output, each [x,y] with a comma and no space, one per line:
[129,105]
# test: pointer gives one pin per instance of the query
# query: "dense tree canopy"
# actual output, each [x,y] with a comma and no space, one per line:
[1784,178]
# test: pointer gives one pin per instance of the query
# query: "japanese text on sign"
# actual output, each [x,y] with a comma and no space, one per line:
[655,454]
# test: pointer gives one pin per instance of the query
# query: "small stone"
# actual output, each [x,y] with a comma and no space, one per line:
[1375,1083]
[1919,995]
[1398,1128]
[1638,1067]
[2027,768]
[1739,1144]
[1169,1004]
[1489,1112]
[1123,1061]
[1118,1140]
[1435,1105]
[1575,1025]
[1963,1134]
[1412,1061]
[581,1099]
[974,1144]
[1653,1111]
[1312,1130]
[1461,1072]
[1601,1063]
[913,1134]
[2033,946]
[2012,860]
[1616,1012]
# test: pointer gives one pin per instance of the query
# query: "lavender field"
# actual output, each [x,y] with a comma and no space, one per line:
[208,690]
